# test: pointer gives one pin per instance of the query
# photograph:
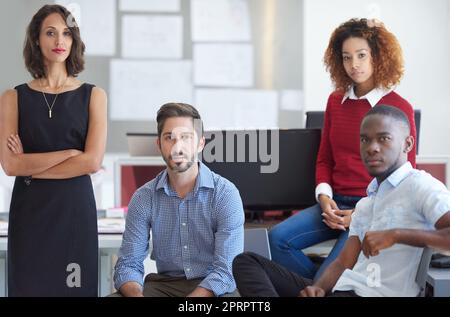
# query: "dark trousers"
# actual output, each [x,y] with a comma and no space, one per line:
[159,285]
[257,276]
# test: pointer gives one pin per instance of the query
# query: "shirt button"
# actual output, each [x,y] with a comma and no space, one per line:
[188,269]
[185,246]
[184,224]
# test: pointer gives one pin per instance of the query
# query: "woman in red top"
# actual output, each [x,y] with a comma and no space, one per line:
[365,63]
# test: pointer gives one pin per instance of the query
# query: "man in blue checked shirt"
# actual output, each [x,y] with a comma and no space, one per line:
[196,218]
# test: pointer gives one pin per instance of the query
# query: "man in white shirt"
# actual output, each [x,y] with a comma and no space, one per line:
[405,211]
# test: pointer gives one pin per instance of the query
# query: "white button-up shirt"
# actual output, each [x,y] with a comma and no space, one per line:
[407,199]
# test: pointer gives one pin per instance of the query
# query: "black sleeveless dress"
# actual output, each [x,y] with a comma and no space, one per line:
[52,238]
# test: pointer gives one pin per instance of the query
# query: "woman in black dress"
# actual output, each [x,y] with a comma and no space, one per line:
[53,135]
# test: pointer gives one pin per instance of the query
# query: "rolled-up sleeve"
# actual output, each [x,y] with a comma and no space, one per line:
[135,243]
[433,198]
[359,221]
[229,242]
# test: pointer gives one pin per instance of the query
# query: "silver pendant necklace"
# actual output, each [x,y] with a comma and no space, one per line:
[50,108]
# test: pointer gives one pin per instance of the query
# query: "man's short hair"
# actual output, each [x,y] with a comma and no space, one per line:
[172,109]
[390,111]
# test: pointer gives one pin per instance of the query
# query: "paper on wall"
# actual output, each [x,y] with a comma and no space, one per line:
[225,65]
[139,88]
[220,20]
[150,5]
[291,100]
[237,108]
[152,36]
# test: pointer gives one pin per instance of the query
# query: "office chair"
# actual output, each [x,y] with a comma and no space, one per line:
[256,240]
[422,270]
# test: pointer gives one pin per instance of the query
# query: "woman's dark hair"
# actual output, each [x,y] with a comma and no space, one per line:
[385,49]
[32,52]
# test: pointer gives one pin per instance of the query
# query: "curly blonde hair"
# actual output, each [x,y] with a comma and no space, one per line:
[387,56]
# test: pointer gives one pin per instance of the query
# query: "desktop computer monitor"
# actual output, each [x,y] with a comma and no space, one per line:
[273,169]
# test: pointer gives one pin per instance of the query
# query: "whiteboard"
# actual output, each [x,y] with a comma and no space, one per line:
[139,88]
[237,108]
[220,20]
[145,36]
[223,65]
[98,34]
[150,5]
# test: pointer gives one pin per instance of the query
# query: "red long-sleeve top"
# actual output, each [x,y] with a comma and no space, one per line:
[339,163]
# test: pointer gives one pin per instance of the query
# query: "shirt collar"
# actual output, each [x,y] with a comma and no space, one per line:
[394,179]
[204,179]
[163,182]
[373,96]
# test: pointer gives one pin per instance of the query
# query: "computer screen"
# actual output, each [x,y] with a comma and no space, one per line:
[273,169]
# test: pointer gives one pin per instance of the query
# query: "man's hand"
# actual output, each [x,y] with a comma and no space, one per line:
[333,216]
[14,144]
[375,241]
[201,292]
[312,291]
[131,289]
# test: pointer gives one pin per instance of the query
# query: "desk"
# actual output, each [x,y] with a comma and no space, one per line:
[440,280]
[108,244]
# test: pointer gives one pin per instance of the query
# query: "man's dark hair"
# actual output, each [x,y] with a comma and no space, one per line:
[172,109]
[34,61]
[390,111]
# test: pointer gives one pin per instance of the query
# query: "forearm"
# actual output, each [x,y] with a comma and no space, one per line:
[35,163]
[438,239]
[324,166]
[220,279]
[131,289]
[325,159]
[82,164]
[331,275]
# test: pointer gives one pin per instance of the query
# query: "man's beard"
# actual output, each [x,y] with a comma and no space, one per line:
[182,166]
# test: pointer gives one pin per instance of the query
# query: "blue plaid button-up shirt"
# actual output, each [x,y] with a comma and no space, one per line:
[195,237]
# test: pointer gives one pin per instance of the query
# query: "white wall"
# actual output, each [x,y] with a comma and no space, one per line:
[423,29]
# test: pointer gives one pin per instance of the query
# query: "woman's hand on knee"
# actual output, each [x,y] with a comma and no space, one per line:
[329,208]
[346,217]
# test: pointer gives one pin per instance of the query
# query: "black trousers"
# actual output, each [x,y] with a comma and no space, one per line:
[257,276]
